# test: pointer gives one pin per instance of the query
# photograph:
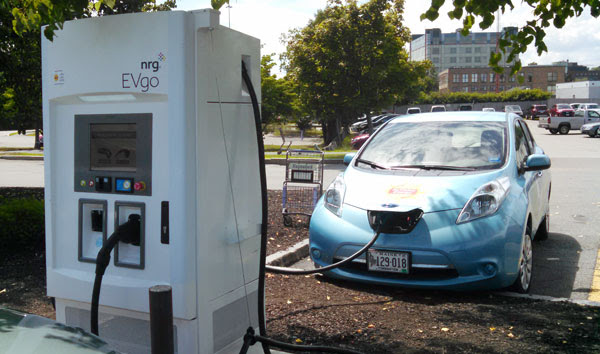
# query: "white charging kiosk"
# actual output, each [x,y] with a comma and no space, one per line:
[148,114]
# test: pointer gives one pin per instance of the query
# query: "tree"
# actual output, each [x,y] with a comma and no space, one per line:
[349,60]
[546,13]
[278,96]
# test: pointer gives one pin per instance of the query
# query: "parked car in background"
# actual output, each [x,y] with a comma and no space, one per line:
[465,107]
[455,198]
[563,124]
[536,110]
[488,109]
[413,110]
[576,106]
[592,122]
[516,109]
[359,140]
[362,126]
[438,108]
[561,110]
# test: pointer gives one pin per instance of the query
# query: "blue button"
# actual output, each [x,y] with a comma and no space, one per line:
[124,185]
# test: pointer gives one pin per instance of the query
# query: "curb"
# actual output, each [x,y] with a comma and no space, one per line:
[550,298]
[289,256]
[13,157]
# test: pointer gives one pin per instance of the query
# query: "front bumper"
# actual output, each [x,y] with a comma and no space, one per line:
[481,254]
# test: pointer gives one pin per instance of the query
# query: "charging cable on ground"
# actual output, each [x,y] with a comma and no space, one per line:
[129,232]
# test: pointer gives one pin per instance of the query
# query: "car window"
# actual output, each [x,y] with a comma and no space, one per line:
[479,145]
[521,147]
[528,137]
[592,106]
[579,113]
[563,106]
[593,114]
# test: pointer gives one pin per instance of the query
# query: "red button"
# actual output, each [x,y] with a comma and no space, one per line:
[139,186]
[91,183]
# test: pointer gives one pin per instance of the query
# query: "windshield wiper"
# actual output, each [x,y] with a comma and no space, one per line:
[372,164]
[435,167]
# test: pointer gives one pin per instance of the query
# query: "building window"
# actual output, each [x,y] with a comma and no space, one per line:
[483,77]
[483,88]
[474,77]
[493,88]
[512,78]
[477,59]
[453,59]
[467,59]
[529,77]
[455,78]
[477,49]
[435,60]
[501,88]
[492,77]
[466,89]
[465,78]
[474,88]
[453,50]
[435,51]
[552,76]
[551,88]
[468,50]
[501,77]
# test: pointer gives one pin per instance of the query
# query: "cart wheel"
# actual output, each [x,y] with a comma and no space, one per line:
[287,220]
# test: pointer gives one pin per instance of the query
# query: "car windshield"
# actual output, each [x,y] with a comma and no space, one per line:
[513,108]
[563,106]
[453,145]
[438,109]
[592,106]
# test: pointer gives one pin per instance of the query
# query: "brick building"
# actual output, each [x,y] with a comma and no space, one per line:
[483,79]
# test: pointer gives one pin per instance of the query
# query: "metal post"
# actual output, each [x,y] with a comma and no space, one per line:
[161,319]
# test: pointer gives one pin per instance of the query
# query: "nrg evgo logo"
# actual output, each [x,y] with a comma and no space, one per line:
[146,78]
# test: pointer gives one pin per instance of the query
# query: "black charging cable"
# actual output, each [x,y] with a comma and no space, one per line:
[129,232]
[250,338]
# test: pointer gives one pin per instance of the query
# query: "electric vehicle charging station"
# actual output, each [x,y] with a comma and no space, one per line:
[147,115]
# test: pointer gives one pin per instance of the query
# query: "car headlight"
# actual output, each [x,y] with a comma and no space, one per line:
[334,196]
[485,201]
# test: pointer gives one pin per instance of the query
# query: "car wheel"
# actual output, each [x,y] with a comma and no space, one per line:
[596,133]
[563,129]
[521,285]
[543,229]
[287,220]
[553,131]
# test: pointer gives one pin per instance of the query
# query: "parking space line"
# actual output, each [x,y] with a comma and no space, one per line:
[595,290]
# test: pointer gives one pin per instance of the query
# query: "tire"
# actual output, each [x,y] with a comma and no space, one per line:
[543,229]
[564,129]
[553,131]
[591,134]
[287,220]
[523,282]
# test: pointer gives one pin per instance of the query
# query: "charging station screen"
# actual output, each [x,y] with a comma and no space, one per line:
[112,147]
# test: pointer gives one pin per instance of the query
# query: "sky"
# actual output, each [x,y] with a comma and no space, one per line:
[578,41]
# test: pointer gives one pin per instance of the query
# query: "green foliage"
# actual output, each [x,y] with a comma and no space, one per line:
[476,97]
[278,97]
[217,4]
[22,223]
[546,13]
[349,60]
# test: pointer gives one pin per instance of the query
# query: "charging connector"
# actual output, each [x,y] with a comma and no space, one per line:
[129,232]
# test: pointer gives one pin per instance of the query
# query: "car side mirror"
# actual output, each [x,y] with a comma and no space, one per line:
[537,162]
[348,158]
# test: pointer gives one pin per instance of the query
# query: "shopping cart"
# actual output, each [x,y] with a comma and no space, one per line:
[303,184]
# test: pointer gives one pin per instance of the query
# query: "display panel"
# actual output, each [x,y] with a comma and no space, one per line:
[113,147]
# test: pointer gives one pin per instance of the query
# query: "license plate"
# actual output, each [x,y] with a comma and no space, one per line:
[388,261]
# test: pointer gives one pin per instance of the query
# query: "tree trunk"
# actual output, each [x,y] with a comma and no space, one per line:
[329,132]
[338,138]
[369,123]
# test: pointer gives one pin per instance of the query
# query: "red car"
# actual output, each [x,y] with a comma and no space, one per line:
[562,110]
[359,140]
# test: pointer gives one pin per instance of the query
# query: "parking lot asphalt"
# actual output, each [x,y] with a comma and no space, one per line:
[564,265]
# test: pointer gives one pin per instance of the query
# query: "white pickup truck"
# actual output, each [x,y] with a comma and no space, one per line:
[562,125]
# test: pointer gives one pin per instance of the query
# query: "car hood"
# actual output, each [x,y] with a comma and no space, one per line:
[404,190]
[589,125]
[24,333]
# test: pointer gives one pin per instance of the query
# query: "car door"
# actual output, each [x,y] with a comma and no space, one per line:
[592,117]
[524,147]
[541,180]
[578,119]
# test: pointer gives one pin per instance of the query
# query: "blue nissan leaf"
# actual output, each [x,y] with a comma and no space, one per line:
[469,192]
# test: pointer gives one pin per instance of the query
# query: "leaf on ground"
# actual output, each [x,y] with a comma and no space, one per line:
[371,325]
[298,340]
[444,329]
[510,335]
[492,329]
[328,297]
[2,291]
[359,331]
[289,302]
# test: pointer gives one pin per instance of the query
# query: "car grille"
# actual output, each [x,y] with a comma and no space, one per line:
[415,273]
